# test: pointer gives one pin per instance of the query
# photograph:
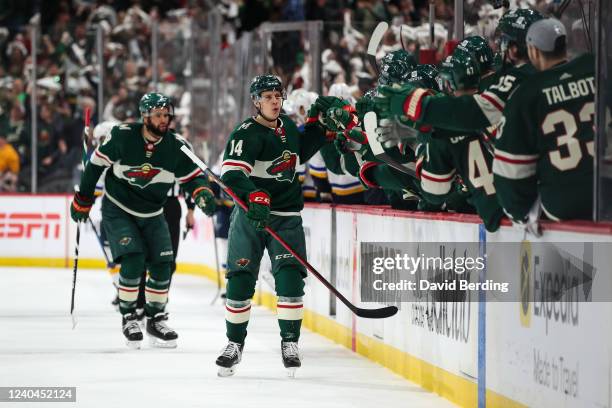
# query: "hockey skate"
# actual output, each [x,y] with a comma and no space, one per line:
[131,331]
[160,335]
[140,317]
[291,357]
[230,357]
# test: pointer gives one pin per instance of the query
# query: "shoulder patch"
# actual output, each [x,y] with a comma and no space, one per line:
[244,125]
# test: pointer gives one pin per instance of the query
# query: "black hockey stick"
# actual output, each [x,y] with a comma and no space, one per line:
[216,266]
[74,274]
[78,234]
[380,313]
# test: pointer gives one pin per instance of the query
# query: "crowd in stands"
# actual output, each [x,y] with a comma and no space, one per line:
[68,80]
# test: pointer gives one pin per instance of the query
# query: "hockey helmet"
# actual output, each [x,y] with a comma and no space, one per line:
[154,100]
[267,82]
[513,26]
[342,91]
[460,71]
[395,67]
[427,76]
[298,102]
[479,46]
[101,131]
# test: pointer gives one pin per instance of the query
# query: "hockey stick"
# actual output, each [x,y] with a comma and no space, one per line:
[78,233]
[367,313]
[99,237]
[370,123]
[375,39]
[216,267]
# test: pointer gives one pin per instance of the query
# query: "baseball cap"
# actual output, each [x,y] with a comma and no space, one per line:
[545,34]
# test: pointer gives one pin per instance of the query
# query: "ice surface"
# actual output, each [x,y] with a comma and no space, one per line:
[39,348]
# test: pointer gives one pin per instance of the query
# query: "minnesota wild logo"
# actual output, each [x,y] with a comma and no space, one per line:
[141,176]
[283,167]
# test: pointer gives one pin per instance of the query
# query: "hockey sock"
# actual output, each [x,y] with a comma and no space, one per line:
[237,314]
[141,300]
[290,312]
[240,290]
[129,279]
[156,289]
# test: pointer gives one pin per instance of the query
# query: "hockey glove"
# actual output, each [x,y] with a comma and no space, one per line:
[405,100]
[80,207]
[321,106]
[205,199]
[355,141]
[340,119]
[258,214]
[363,105]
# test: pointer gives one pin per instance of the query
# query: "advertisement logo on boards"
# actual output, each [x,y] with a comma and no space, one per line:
[555,279]
[16,225]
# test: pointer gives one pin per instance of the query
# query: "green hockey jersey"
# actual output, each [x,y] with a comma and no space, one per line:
[259,157]
[545,143]
[473,113]
[466,156]
[140,172]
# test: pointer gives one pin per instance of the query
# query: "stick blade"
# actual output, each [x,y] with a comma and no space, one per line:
[370,123]
[377,36]
[381,313]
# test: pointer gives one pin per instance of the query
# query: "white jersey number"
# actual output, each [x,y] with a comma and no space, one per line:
[567,139]
[479,173]
[235,148]
[505,83]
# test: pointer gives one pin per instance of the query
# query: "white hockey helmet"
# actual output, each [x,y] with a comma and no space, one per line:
[342,91]
[102,130]
[300,100]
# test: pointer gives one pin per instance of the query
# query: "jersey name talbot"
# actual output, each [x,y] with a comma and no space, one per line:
[571,90]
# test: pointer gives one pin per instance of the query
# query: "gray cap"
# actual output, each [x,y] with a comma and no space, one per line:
[544,34]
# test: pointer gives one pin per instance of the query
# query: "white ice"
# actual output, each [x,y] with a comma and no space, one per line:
[39,348]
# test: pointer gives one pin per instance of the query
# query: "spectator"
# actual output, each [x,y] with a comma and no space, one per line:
[9,166]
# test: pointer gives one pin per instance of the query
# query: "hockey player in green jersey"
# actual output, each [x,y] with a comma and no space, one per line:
[468,113]
[479,46]
[144,160]
[259,164]
[466,156]
[544,148]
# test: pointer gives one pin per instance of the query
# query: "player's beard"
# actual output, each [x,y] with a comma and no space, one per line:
[155,130]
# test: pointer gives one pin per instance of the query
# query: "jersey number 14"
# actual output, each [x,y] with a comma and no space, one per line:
[235,148]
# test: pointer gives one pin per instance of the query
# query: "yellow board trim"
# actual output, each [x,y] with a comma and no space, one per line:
[347,191]
[456,389]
